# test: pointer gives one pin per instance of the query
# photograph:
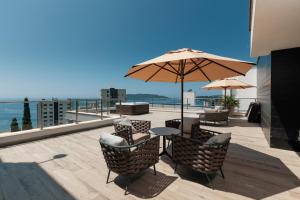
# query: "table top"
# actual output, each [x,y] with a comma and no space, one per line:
[164,131]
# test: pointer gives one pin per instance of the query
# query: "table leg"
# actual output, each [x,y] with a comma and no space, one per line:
[164,144]
[164,151]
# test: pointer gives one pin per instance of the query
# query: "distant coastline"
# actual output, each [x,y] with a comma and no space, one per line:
[145,96]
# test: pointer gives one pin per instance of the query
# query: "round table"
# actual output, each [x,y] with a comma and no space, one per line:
[164,131]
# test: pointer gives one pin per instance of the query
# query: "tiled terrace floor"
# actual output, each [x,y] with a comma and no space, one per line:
[72,167]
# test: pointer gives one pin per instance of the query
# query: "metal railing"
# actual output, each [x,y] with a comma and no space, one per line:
[43,113]
[46,113]
[199,103]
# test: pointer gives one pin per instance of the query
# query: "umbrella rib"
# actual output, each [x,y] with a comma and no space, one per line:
[184,62]
[226,67]
[165,68]
[197,68]
[196,65]
[173,67]
[204,74]
[160,68]
[137,70]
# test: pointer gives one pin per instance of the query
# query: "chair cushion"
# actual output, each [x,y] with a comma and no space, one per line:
[210,110]
[125,122]
[187,124]
[112,140]
[219,108]
[218,139]
[138,137]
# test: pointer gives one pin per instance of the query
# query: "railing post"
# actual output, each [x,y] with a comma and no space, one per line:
[107,107]
[86,105]
[174,104]
[96,106]
[187,103]
[101,109]
[120,108]
[42,116]
[76,111]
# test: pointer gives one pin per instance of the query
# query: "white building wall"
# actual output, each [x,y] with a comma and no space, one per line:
[246,96]
[189,98]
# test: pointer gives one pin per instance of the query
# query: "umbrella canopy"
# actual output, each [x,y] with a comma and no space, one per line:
[193,65]
[188,65]
[227,84]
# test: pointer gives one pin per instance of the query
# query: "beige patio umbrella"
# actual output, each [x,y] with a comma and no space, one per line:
[227,84]
[188,65]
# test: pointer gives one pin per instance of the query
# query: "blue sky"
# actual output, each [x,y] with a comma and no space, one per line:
[73,48]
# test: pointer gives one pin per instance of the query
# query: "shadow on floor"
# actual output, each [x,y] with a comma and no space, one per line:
[233,122]
[145,185]
[29,181]
[248,172]
[241,122]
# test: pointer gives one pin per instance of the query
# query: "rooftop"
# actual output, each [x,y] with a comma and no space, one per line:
[72,167]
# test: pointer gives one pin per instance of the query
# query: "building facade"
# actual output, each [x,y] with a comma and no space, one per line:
[189,98]
[274,26]
[246,96]
[52,112]
[112,95]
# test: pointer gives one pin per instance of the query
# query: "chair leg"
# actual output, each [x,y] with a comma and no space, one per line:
[209,181]
[222,173]
[126,189]
[107,176]
[175,168]
[154,170]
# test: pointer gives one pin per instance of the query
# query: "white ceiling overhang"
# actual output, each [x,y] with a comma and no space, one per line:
[275,24]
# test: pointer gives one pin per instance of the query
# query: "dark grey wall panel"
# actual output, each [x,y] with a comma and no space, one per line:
[285,96]
[264,93]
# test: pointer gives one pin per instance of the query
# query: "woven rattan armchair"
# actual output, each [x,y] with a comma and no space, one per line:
[215,117]
[195,154]
[142,128]
[131,159]
[175,123]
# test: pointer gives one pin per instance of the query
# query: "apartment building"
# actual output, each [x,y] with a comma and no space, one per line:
[52,112]
[112,95]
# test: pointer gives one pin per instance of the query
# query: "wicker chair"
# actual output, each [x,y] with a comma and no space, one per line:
[175,123]
[220,116]
[131,159]
[142,131]
[195,154]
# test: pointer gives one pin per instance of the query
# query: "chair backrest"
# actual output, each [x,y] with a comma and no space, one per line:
[194,154]
[131,159]
[217,116]
[175,123]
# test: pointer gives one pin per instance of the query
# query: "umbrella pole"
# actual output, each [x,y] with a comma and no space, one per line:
[225,103]
[181,78]
[181,106]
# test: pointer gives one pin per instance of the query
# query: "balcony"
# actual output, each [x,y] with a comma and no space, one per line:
[72,167]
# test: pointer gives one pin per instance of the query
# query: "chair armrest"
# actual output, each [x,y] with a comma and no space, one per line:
[141,126]
[173,123]
[125,133]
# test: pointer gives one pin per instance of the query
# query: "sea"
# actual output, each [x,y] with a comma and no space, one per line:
[8,111]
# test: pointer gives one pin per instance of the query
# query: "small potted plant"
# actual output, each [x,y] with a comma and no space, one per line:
[231,103]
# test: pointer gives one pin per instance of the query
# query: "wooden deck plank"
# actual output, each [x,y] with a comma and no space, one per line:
[252,169]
